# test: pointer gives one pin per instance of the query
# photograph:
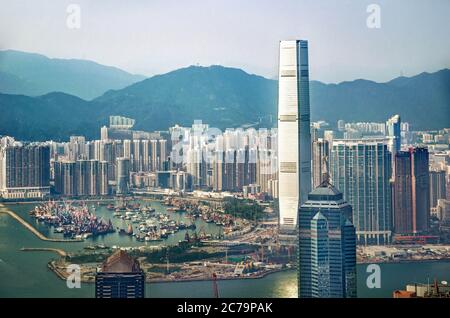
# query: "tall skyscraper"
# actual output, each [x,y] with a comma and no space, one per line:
[327,246]
[393,133]
[393,125]
[294,137]
[411,192]
[421,189]
[361,169]
[120,277]
[402,194]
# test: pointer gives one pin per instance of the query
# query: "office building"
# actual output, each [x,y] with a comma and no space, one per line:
[411,193]
[393,130]
[327,246]
[420,189]
[294,137]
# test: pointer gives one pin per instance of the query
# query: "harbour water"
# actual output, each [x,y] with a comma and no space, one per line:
[25,274]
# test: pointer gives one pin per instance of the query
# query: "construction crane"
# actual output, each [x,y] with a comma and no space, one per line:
[215,288]
[167,262]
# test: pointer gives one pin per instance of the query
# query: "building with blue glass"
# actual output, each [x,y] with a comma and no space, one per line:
[327,246]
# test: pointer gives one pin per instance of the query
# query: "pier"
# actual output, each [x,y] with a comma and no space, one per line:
[32,229]
[58,251]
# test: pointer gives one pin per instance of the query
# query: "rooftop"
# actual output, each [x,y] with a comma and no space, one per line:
[325,192]
[121,262]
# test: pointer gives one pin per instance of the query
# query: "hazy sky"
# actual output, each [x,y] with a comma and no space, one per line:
[150,37]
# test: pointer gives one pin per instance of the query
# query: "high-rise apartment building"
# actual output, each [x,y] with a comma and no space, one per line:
[122,176]
[361,169]
[81,177]
[438,187]
[24,171]
[65,178]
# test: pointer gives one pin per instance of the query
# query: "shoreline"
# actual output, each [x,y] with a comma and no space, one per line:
[403,261]
[60,274]
[52,266]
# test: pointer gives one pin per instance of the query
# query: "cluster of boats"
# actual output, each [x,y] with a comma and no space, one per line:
[141,220]
[75,221]
[196,210]
[154,228]
[130,207]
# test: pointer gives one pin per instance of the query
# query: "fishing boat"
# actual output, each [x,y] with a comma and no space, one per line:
[130,230]
[59,230]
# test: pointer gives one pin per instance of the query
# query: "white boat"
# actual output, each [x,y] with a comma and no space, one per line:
[59,230]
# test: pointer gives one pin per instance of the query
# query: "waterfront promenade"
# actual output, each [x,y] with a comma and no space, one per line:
[28,226]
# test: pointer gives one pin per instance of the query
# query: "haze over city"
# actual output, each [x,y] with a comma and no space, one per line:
[143,155]
[159,36]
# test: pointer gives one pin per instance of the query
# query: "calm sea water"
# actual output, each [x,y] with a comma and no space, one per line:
[25,274]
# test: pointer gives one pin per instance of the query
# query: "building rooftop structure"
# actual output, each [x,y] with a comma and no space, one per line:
[121,262]
[327,193]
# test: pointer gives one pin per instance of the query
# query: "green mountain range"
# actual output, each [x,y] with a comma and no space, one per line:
[34,74]
[222,97]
